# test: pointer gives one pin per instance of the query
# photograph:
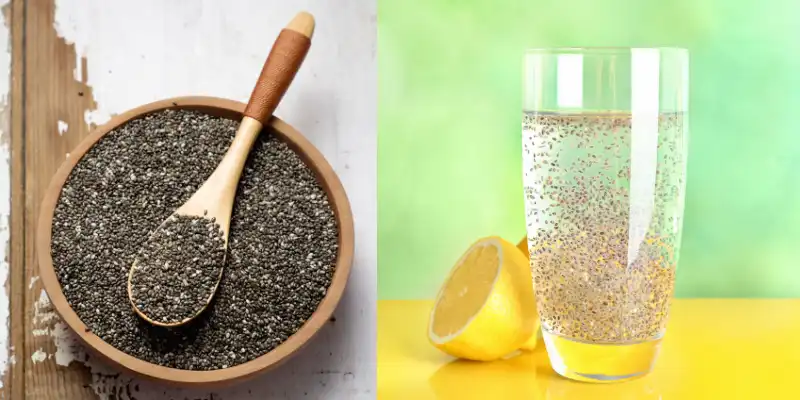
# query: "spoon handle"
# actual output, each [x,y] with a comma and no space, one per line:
[215,197]
[284,60]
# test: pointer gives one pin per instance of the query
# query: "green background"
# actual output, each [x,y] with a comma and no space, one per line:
[449,140]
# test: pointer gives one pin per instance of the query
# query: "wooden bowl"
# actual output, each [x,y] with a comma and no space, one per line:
[226,109]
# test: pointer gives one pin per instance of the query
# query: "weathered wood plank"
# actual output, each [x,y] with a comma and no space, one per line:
[13,379]
[51,95]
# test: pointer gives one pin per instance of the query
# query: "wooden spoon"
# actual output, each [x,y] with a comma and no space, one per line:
[214,199]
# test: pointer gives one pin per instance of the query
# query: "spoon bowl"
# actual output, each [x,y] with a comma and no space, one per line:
[213,201]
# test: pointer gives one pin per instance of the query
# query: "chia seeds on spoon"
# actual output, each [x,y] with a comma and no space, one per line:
[177,270]
[282,243]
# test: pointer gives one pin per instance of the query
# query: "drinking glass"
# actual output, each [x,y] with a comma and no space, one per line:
[604,164]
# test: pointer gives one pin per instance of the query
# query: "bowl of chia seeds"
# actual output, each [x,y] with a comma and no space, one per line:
[290,246]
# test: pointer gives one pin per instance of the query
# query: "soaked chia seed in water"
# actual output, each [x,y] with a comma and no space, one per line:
[177,269]
[603,216]
[282,243]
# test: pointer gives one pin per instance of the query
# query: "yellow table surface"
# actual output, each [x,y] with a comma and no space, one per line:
[713,349]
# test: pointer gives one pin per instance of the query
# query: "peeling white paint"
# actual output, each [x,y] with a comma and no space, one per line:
[38,356]
[95,117]
[41,332]
[43,317]
[77,73]
[43,312]
[44,300]
[68,348]
[33,280]
[5,192]
[211,48]
[62,127]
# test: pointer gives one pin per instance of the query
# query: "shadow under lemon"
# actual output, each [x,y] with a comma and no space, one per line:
[509,378]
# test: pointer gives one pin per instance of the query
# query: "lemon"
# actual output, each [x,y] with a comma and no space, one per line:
[533,341]
[523,247]
[485,309]
[529,345]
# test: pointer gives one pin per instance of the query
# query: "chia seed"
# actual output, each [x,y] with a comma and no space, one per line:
[603,219]
[282,244]
[177,270]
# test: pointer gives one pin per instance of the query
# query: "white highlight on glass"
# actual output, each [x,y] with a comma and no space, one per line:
[569,82]
[645,72]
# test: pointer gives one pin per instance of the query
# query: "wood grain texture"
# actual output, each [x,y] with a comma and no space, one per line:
[51,95]
[14,380]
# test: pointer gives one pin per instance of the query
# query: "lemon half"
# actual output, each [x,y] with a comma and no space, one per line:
[529,345]
[486,308]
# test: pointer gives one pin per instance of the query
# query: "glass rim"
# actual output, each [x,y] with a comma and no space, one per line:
[601,50]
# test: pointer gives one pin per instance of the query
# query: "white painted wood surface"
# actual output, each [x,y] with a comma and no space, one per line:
[145,50]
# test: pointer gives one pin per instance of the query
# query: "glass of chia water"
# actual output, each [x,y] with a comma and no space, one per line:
[604,164]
